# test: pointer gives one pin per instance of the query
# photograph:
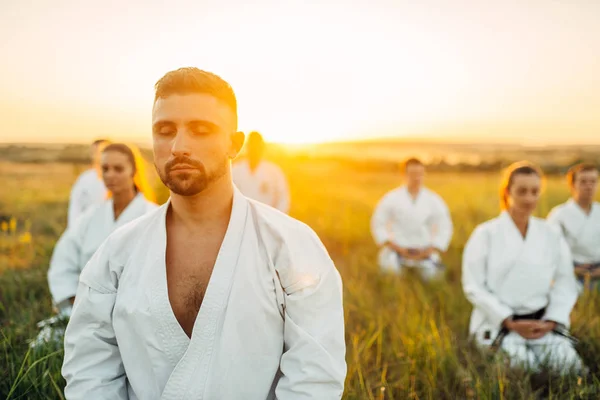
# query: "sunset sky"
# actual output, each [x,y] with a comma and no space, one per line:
[506,71]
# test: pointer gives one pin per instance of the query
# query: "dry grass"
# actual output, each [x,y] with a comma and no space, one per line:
[404,339]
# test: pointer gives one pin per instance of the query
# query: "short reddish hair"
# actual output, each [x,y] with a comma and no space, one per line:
[411,161]
[576,169]
[193,80]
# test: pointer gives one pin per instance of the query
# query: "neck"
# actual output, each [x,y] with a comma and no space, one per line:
[585,204]
[520,219]
[414,190]
[211,205]
[122,200]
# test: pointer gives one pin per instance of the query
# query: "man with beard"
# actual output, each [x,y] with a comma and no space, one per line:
[214,295]
[579,221]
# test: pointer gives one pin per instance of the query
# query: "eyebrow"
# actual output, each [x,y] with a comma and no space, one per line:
[199,122]
[202,122]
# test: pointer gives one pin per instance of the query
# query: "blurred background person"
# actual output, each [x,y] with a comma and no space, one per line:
[412,225]
[259,179]
[130,196]
[88,189]
[518,274]
[579,222]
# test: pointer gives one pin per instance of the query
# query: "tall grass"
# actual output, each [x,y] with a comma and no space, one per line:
[405,339]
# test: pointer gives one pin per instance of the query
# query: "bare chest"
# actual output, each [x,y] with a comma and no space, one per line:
[189,263]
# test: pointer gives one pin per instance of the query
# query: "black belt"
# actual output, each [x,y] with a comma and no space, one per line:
[537,315]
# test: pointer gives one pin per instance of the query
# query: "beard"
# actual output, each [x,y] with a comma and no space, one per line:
[192,182]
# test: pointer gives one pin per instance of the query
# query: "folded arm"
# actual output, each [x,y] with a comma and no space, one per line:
[474,279]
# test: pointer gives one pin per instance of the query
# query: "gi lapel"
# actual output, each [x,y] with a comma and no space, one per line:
[188,380]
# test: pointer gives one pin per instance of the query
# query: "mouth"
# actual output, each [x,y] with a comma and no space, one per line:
[182,168]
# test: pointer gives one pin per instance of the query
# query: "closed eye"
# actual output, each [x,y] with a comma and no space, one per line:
[164,128]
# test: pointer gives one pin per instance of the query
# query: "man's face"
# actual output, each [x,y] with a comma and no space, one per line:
[585,185]
[415,175]
[194,138]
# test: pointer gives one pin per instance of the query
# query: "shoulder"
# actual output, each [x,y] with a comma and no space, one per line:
[150,206]
[280,224]
[103,271]
[557,211]
[488,227]
[297,252]
[82,179]
[434,197]
[393,194]
[88,216]
[546,229]
[87,176]
[480,236]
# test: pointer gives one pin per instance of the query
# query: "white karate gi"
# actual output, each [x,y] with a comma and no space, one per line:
[271,322]
[266,183]
[581,230]
[87,190]
[416,224]
[504,275]
[79,242]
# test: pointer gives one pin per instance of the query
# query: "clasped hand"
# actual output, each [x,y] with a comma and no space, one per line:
[412,254]
[530,329]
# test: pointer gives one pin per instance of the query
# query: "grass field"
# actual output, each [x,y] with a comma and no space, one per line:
[405,340]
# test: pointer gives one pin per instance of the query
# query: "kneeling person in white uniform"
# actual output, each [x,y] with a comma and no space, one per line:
[213,295]
[412,225]
[579,221]
[518,274]
[259,179]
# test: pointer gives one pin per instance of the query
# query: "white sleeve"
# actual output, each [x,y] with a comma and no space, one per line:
[474,279]
[381,219]
[63,274]
[564,291]
[75,203]
[282,193]
[313,363]
[442,226]
[92,367]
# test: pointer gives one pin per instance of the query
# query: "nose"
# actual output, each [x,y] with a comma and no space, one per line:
[180,145]
[107,174]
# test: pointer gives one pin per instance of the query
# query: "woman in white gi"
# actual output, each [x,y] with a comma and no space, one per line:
[129,197]
[518,273]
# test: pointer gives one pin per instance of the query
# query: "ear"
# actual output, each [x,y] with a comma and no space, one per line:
[237,142]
